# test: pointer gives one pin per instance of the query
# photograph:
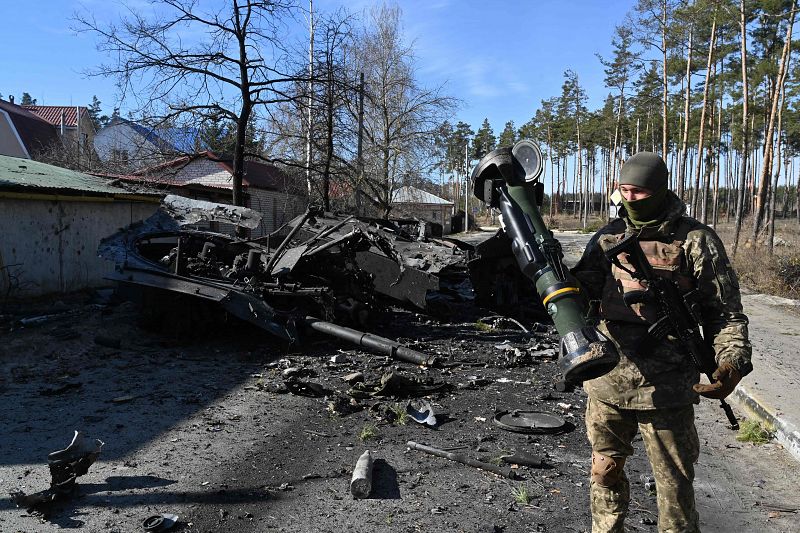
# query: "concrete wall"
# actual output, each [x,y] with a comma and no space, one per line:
[51,246]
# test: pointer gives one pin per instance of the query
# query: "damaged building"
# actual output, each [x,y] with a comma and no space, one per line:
[52,219]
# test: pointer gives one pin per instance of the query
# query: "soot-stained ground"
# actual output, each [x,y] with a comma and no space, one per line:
[203,425]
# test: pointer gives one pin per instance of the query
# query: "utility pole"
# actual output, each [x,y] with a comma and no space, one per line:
[466,187]
[310,93]
[360,179]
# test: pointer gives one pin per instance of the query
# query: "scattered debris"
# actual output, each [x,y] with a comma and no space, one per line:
[361,482]
[649,483]
[425,415]
[355,377]
[396,385]
[463,459]
[520,421]
[524,459]
[123,399]
[496,322]
[65,467]
[159,522]
[342,405]
[306,388]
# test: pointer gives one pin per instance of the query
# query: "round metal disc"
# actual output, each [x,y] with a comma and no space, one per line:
[529,421]
[153,523]
[529,157]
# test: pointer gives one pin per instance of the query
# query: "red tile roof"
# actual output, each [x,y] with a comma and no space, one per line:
[52,114]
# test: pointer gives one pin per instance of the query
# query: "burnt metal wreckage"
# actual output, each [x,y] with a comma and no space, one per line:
[320,271]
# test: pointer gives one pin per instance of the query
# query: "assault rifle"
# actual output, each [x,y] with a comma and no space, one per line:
[678,314]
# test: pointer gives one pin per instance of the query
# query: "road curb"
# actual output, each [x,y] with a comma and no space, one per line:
[786,432]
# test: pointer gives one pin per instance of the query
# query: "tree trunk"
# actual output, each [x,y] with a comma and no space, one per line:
[552,175]
[310,110]
[686,112]
[665,80]
[326,174]
[745,148]
[696,195]
[787,172]
[774,186]
[797,197]
[769,135]
[580,167]
[715,203]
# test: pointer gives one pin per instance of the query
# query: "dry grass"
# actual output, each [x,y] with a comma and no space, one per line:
[757,270]
[571,223]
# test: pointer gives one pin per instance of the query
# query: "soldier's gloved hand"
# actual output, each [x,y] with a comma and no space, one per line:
[726,377]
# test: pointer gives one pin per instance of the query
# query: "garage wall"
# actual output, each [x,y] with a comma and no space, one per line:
[51,246]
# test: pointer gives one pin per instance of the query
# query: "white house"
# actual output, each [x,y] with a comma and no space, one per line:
[127,143]
[417,203]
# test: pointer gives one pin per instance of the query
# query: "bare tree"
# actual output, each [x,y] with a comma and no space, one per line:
[203,63]
[400,116]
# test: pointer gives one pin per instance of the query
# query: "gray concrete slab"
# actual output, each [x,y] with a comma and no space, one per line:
[770,392]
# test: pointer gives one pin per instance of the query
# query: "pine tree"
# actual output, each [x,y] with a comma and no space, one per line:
[484,141]
[27,100]
[99,121]
[509,135]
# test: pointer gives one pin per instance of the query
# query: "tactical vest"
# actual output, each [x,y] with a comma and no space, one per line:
[668,260]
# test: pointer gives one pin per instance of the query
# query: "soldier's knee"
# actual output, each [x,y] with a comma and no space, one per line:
[606,471]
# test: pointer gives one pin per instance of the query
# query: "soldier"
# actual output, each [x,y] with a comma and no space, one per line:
[654,392]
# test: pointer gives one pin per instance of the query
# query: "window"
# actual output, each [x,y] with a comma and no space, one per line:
[435,216]
[119,156]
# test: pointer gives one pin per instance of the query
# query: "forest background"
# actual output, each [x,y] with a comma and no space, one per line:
[711,85]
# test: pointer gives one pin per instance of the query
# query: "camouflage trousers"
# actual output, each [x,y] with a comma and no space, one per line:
[670,439]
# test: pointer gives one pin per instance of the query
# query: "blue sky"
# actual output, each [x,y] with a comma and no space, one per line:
[500,58]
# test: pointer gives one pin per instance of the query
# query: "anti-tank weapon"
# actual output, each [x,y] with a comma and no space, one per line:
[507,179]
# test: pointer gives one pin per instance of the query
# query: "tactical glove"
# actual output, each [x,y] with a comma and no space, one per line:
[726,377]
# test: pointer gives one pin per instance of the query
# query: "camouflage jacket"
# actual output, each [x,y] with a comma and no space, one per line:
[664,377]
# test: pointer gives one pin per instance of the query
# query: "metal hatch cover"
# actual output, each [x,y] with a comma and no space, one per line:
[520,421]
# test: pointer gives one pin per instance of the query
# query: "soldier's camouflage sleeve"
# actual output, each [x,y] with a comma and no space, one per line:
[721,302]
[592,269]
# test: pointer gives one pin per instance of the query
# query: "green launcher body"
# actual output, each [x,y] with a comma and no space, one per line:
[507,179]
